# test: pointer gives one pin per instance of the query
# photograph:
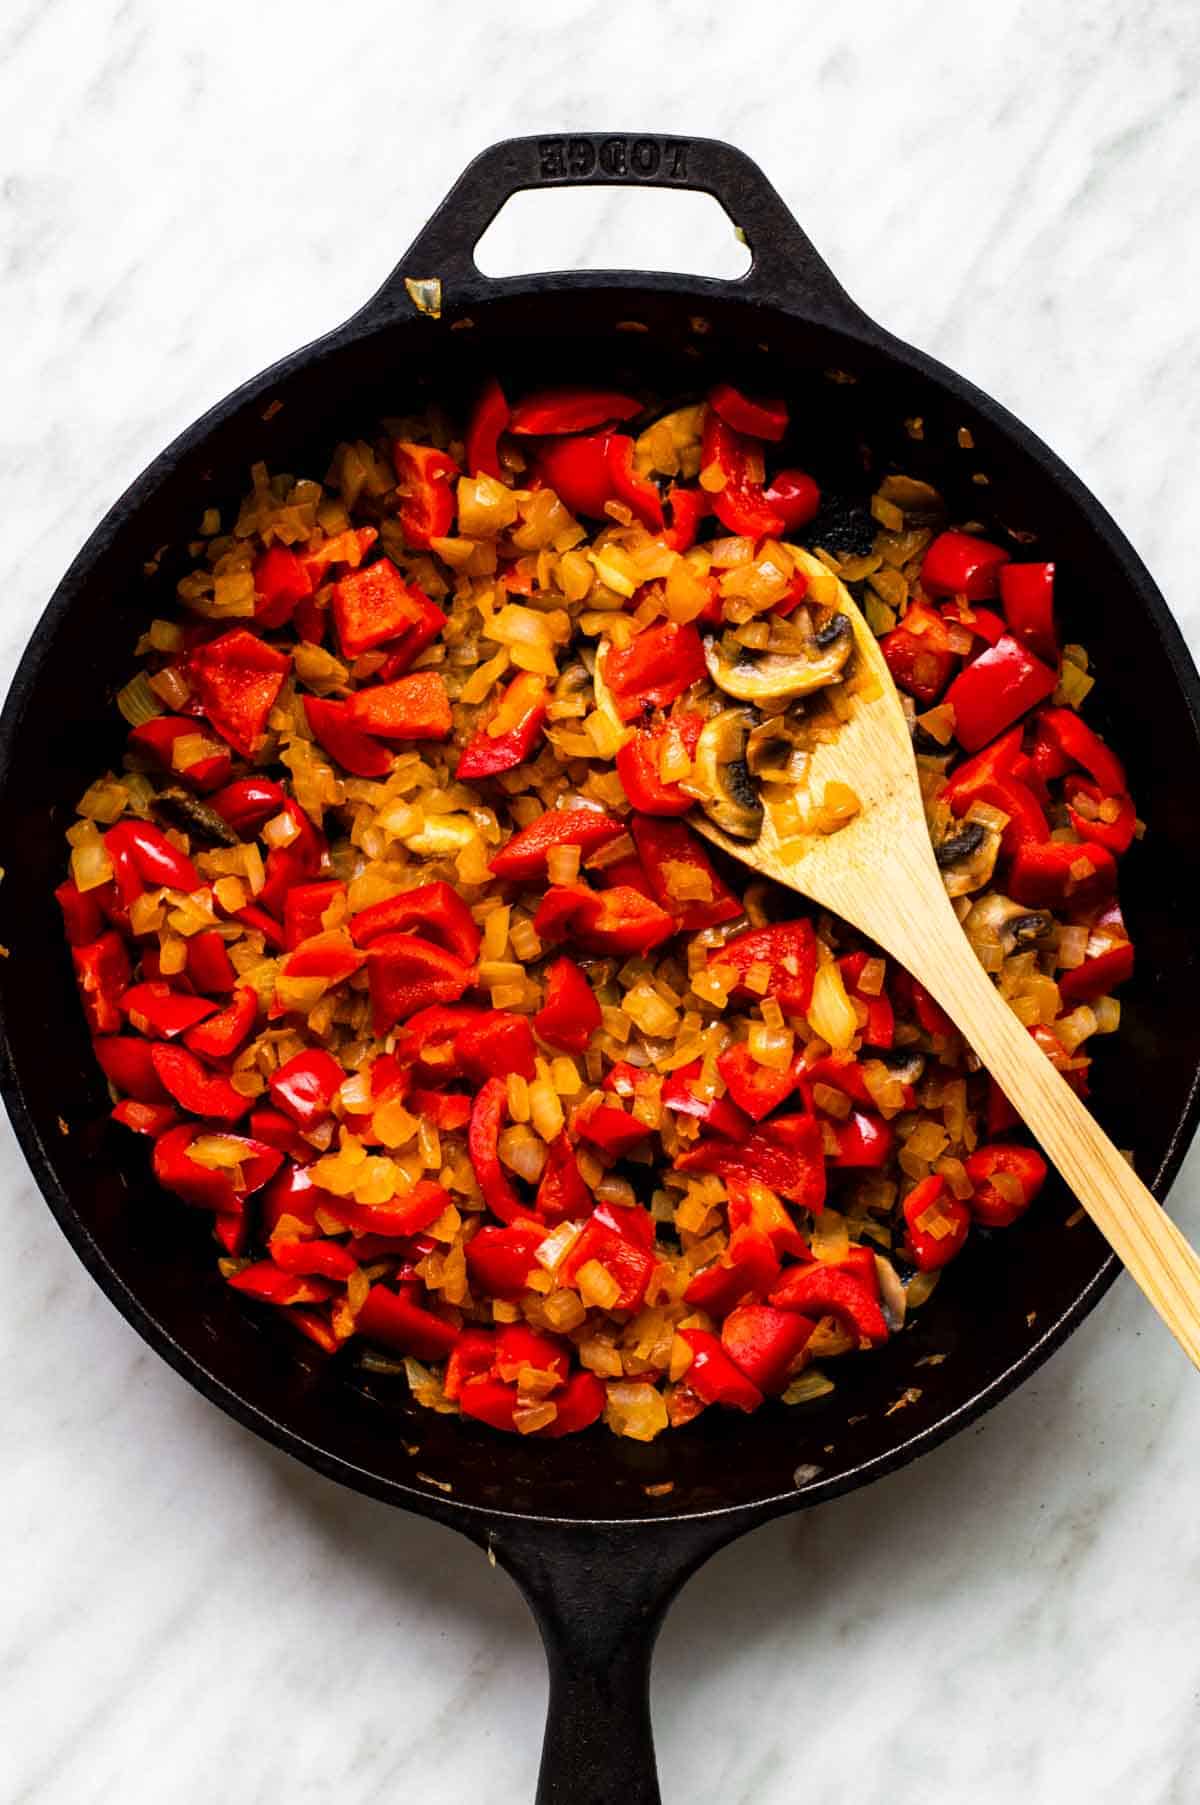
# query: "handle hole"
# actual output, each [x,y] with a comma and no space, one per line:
[675,231]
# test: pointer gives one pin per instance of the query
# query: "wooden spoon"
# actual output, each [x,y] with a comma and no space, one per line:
[879,873]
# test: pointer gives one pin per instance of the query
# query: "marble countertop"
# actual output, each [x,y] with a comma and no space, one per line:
[185,193]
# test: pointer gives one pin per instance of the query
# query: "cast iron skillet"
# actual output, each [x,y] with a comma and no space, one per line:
[597,1555]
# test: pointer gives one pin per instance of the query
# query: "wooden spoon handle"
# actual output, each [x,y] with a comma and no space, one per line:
[1125,1212]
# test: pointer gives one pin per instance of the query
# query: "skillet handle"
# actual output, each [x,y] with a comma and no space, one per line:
[785,265]
[599,1594]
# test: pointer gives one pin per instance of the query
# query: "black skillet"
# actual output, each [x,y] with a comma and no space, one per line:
[598,1550]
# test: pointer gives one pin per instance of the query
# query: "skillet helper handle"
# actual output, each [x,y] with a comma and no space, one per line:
[785,264]
[599,1594]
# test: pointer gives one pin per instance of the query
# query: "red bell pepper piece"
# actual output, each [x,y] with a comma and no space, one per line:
[936,1224]
[795,498]
[125,1061]
[579,1404]
[488,1115]
[221,1035]
[1023,1164]
[639,763]
[788,948]
[637,493]
[525,854]
[330,956]
[155,860]
[470,1358]
[1079,744]
[209,966]
[435,908]
[688,508]
[562,1193]
[880,1030]
[1027,596]
[399,1217]
[305,1085]
[281,580]
[1002,684]
[374,605]
[345,743]
[236,679]
[713,1376]
[518,1345]
[628,873]
[748,1267]
[570,1014]
[991,777]
[447,1111]
[102,972]
[489,1401]
[914,999]
[157,738]
[612,1130]
[1099,974]
[279,1131]
[557,411]
[156,1009]
[754,1206]
[766,1344]
[303,907]
[820,1290]
[194,1087]
[291,1193]
[718,1114]
[403,652]
[786,1154]
[495,1046]
[425,475]
[415,707]
[398,1321]
[348,547]
[919,654]
[83,918]
[846,1074]
[864,1140]
[741,505]
[759,419]
[983,624]
[306,1259]
[656,668]
[207,1187]
[961,564]
[269,1284]
[247,802]
[407,973]
[1056,872]
[577,469]
[489,418]
[627,1262]
[681,875]
[1117,833]
[153,1119]
[518,720]
[428,1040]
[499,1260]
[755,1088]
[619,920]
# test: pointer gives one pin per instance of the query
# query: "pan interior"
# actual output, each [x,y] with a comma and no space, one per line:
[850,402]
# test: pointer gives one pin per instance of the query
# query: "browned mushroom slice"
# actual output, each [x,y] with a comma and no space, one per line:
[967,857]
[753,676]
[776,750]
[997,921]
[721,780]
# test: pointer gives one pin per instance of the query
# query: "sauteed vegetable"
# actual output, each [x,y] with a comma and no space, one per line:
[396,943]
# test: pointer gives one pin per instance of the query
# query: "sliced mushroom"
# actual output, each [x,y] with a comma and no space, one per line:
[904,1064]
[179,808]
[998,920]
[776,748]
[721,779]
[777,676]
[968,857]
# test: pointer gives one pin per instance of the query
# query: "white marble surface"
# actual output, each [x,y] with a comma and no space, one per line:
[187,191]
